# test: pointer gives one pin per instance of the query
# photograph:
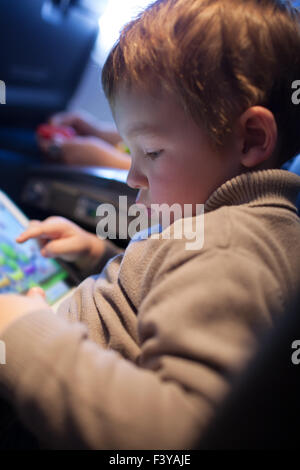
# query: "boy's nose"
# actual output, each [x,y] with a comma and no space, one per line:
[136,179]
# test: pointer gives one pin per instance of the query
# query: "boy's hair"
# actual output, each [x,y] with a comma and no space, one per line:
[219,57]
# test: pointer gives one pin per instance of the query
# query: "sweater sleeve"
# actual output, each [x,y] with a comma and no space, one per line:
[198,324]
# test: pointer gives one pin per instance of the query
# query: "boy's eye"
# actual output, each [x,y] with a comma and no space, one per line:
[153,154]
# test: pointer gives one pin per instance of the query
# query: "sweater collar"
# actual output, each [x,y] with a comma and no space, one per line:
[263,187]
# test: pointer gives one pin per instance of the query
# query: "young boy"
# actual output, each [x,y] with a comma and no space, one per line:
[141,356]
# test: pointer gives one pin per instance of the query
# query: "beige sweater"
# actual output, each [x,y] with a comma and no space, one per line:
[142,354]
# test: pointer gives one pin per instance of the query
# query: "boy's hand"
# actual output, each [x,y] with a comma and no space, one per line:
[14,306]
[61,238]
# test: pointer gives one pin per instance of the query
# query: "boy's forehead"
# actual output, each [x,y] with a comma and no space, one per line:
[138,110]
[137,99]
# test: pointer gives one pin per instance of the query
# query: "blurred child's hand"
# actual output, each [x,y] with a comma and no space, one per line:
[14,306]
[60,238]
[82,122]
[85,124]
[84,151]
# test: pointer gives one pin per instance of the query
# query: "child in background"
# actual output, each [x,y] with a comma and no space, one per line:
[90,143]
[143,353]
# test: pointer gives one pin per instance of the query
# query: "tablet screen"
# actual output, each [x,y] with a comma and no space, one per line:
[22,266]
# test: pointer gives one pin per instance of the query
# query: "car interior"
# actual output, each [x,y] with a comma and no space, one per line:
[263,408]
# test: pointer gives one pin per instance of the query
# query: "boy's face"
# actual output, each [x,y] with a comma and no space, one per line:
[172,161]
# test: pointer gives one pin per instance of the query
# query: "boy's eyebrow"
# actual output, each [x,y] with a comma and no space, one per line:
[142,127]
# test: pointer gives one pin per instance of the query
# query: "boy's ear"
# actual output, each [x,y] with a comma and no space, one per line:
[258,136]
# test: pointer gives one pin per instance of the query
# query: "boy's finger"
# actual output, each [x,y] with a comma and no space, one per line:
[36,292]
[31,232]
[33,223]
[39,230]
[57,248]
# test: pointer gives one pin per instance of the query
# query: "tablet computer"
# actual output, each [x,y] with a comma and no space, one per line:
[21,264]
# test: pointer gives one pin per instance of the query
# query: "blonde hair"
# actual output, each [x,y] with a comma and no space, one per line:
[219,58]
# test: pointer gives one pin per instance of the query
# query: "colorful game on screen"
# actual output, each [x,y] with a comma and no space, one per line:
[22,266]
